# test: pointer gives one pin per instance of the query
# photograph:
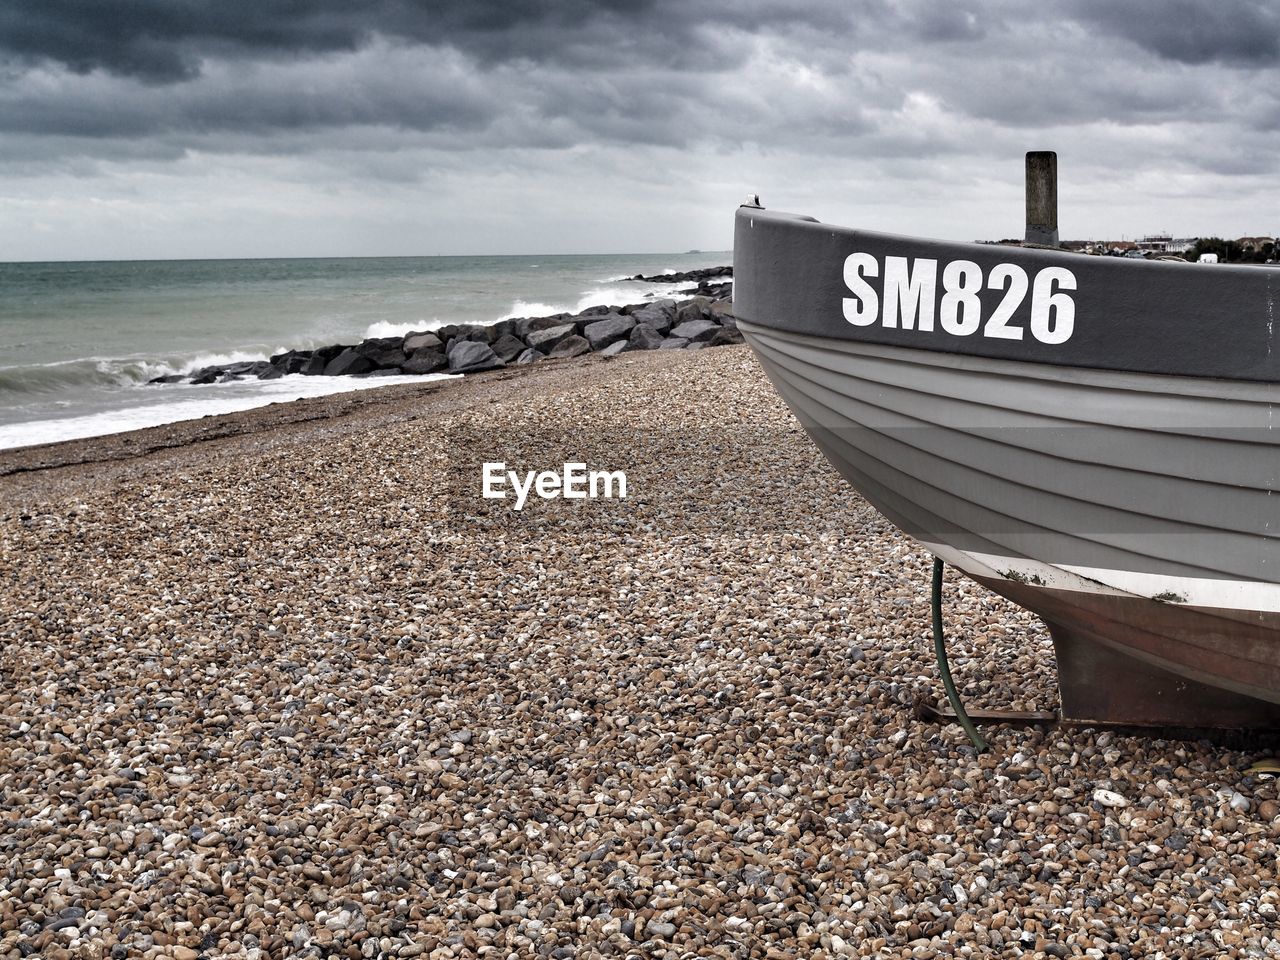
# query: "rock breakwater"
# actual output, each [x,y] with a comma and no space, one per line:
[711,281]
[692,324]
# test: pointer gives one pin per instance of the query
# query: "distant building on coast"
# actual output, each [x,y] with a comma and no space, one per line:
[1156,245]
[1248,249]
[1160,243]
[1255,244]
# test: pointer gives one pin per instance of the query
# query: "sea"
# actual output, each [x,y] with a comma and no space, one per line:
[79,341]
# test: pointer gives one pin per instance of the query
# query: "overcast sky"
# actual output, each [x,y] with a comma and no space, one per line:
[180,128]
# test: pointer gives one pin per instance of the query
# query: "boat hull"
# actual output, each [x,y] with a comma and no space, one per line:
[1137,513]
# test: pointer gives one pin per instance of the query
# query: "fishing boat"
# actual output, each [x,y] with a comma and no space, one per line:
[1096,439]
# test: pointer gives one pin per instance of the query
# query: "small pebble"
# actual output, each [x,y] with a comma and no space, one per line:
[660,931]
[1109,798]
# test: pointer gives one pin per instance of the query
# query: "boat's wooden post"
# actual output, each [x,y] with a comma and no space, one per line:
[1042,197]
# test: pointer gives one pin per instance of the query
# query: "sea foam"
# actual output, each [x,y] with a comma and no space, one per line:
[205,400]
[392,328]
[612,295]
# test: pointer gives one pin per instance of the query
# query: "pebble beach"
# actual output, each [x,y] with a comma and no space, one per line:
[282,684]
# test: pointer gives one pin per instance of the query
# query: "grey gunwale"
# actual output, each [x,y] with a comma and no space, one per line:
[1160,317]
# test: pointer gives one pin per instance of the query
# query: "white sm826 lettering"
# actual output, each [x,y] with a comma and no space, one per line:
[910,298]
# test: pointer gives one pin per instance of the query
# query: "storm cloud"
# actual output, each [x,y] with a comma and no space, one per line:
[167,41]
[1244,33]
[901,114]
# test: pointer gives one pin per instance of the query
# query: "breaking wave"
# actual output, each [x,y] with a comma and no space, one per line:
[396,328]
[43,378]
[613,295]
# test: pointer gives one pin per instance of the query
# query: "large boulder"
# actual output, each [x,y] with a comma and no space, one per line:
[526,325]
[673,343]
[421,341]
[349,361]
[529,356]
[643,337]
[660,314]
[375,345]
[546,338]
[471,356]
[573,346]
[387,358]
[479,332]
[605,331]
[713,290]
[696,331]
[693,309]
[291,361]
[245,368]
[206,375]
[613,349]
[425,361]
[724,336]
[721,310]
[508,347]
[319,359]
[503,328]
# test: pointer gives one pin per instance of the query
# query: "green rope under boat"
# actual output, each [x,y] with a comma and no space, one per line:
[940,648]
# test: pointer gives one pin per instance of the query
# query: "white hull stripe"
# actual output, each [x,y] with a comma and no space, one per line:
[1184,591]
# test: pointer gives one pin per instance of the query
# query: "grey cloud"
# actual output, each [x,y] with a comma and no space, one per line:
[1242,32]
[263,99]
[162,40]
[492,72]
[1036,95]
[552,75]
[167,41]
[946,22]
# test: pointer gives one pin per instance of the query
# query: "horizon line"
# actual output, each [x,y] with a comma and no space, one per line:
[393,256]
